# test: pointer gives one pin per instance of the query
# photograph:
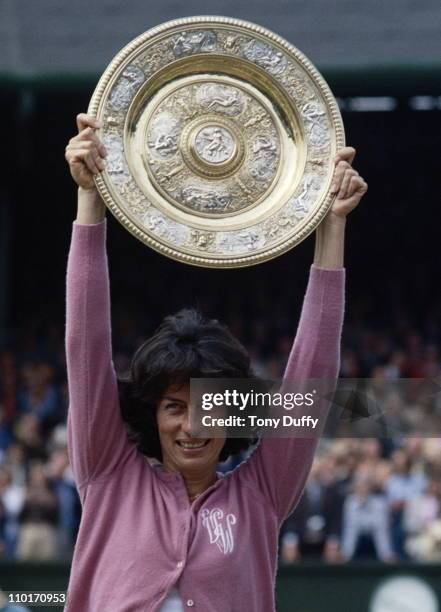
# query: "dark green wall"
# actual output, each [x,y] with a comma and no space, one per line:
[303,588]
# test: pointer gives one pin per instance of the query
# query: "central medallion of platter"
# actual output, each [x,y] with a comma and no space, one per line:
[211,147]
[214,144]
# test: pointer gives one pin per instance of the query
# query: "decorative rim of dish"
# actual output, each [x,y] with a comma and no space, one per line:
[319,81]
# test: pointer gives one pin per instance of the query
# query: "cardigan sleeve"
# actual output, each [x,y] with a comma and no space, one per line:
[279,466]
[97,437]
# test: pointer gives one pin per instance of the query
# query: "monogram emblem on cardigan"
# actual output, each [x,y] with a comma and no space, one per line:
[219,526]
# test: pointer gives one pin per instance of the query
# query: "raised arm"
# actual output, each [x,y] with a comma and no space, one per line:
[280,466]
[97,437]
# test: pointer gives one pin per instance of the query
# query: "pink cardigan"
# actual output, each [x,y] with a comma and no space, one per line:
[139,535]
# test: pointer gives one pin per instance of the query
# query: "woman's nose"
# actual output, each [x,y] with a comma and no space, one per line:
[186,424]
[191,425]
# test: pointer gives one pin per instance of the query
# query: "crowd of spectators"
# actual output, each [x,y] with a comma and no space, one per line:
[364,499]
[369,499]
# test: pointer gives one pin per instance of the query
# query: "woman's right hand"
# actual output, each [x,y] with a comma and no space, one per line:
[85,153]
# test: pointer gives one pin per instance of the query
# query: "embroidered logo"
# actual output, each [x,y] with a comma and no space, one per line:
[219,527]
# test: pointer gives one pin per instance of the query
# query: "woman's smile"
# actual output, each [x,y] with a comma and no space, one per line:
[188,445]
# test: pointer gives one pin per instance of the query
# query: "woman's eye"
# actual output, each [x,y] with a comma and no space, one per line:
[173,406]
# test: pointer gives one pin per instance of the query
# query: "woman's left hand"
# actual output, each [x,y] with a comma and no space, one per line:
[347,185]
[349,188]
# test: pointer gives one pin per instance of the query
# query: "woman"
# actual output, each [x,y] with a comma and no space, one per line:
[177,532]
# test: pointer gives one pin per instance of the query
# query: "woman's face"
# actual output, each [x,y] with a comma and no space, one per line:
[182,450]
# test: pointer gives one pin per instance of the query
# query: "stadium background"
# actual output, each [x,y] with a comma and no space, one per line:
[382,60]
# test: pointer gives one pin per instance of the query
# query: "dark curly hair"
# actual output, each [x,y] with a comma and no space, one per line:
[184,346]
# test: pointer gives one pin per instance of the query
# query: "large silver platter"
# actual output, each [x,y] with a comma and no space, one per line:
[221,137]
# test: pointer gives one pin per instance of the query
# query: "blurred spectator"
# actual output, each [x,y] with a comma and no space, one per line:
[401,486]
[5,432]
[16,461]
[28,433]
[422,510]
[61,479]
[314,528]
[8,385]
[12,499]
[38,395]
[38,519]
[366,524]
[426,545]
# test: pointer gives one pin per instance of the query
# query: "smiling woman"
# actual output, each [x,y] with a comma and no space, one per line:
[171,534]
[154,395]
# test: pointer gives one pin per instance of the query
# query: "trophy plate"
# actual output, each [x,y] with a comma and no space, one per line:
[221,137]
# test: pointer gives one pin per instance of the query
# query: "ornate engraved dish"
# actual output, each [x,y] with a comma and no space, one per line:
[221,137]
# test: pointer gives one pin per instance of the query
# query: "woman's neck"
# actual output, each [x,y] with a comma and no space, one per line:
[197,484]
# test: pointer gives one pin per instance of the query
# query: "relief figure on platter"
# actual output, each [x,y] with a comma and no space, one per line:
[315,117]
[165,143]
[267,57]
[221,98]
[264,161]
[205,201]
[115,150]
[126,87]
[187,43]
[264,144]
[163,135]
[311,185]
